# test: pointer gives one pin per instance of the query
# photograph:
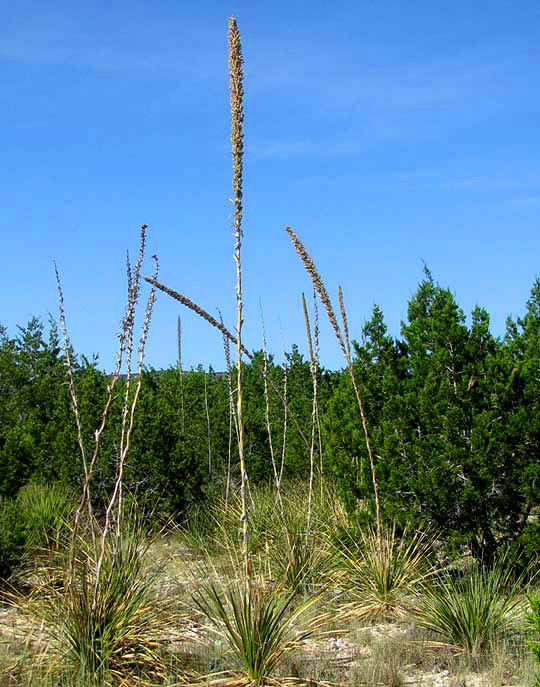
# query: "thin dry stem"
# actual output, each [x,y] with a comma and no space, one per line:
[181,374]
[74,403]
[134,282]
[364,423]
[316,358]
[313,415]
[208,426]
[285,401]
[232,411]
[267,415]
[200,311]
[115,499]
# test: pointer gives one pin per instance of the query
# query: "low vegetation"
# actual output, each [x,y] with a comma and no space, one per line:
[99,626]
[168,610]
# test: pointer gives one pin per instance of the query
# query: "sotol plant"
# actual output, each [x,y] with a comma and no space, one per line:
[475,610]
[260,626]
[107,626]
[384,572]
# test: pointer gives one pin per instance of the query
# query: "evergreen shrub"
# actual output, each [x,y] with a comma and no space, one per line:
[13,537]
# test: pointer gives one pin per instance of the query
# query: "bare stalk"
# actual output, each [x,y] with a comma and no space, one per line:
[232,412]
[313,415]
[267,415]
[134,281]
[345,347]
[348,356]
[181,374]
[208,427]
[316,358]
[285,401]
[74,404]
[361,409]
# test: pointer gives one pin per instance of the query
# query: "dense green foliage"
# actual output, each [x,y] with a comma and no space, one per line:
[178,454]
[453,412]
[13,537]
[31,523]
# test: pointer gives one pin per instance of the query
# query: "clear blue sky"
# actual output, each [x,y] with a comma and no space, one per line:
[386,133]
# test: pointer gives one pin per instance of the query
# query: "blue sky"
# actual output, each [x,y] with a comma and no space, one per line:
[386,133]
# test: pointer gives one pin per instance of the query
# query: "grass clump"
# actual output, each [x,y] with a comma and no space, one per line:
[384,572]
[384,666]
[259,624]
[30,525]
[107,625]
[473,611]
[299,562]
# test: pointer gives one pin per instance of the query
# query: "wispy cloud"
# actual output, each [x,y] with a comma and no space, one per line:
[527,200]
[320,147]
[338,104]
[335,79]
[154,49]
[475,179]
[340,99]
[499,186]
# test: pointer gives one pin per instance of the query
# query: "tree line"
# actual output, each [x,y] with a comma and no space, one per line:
[453,414]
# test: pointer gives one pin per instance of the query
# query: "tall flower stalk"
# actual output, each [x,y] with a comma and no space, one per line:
[236,87]
[114,508]
[344,343]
